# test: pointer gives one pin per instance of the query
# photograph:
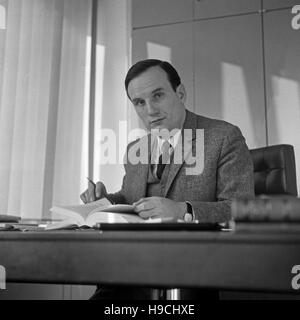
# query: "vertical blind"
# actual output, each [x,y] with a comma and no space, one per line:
[45,50]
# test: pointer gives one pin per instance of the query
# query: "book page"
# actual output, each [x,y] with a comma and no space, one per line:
[101,211]
[97,217]
[111,217]
[117,208]
[79,213]
[62,225]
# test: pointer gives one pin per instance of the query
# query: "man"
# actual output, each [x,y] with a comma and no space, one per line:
[156,91]
[170,190]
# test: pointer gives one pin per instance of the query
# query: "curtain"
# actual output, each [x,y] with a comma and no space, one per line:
[45,52]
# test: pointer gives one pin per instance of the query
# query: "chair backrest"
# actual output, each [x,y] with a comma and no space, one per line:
[274,170]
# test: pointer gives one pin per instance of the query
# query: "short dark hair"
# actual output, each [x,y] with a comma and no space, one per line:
[143,65]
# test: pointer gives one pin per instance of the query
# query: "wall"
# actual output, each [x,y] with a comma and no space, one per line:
[238,59]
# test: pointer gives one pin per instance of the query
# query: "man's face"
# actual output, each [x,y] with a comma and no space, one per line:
[155,101]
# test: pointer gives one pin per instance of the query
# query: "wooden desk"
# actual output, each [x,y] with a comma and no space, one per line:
[222,260]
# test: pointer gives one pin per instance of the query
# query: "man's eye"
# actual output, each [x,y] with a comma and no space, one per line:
[139,103]
[158,95]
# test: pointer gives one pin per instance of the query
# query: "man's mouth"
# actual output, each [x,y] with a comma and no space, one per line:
[156,121]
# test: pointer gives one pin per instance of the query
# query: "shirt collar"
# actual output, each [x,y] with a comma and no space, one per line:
[157,144]
[173,140]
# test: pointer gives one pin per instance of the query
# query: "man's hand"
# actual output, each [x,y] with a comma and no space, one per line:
[155,207]
[94,192]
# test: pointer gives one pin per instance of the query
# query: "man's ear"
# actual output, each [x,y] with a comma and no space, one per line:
[181,93]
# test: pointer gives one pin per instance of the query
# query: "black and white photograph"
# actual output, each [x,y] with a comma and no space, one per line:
[150,153]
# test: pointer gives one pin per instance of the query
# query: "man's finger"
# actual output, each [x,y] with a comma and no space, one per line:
[83,197]
[91,192]
[148,214]
[100,190]
[139,208]
[87,196]
[142,200]
[144,206]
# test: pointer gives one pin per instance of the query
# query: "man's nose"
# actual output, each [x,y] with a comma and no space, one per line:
[151,108]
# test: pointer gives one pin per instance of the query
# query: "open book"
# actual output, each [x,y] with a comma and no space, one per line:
[100,211]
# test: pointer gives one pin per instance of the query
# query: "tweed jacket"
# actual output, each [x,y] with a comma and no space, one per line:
[226,174]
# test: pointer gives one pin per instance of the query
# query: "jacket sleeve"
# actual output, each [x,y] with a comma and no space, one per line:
[235,179]
[118,197]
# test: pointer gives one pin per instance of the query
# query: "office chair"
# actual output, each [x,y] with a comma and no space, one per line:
[274,170]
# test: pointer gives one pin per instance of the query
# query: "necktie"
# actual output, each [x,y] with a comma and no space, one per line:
[164,158]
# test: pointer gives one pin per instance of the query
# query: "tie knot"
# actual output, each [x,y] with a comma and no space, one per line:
[164,158]
[165,154]
[165,148]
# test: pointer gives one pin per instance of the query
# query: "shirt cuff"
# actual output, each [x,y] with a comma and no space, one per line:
[190,209]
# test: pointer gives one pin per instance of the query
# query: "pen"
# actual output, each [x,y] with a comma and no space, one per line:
[91,181]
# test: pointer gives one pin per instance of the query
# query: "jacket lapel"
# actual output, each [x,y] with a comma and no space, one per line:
[189,123]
